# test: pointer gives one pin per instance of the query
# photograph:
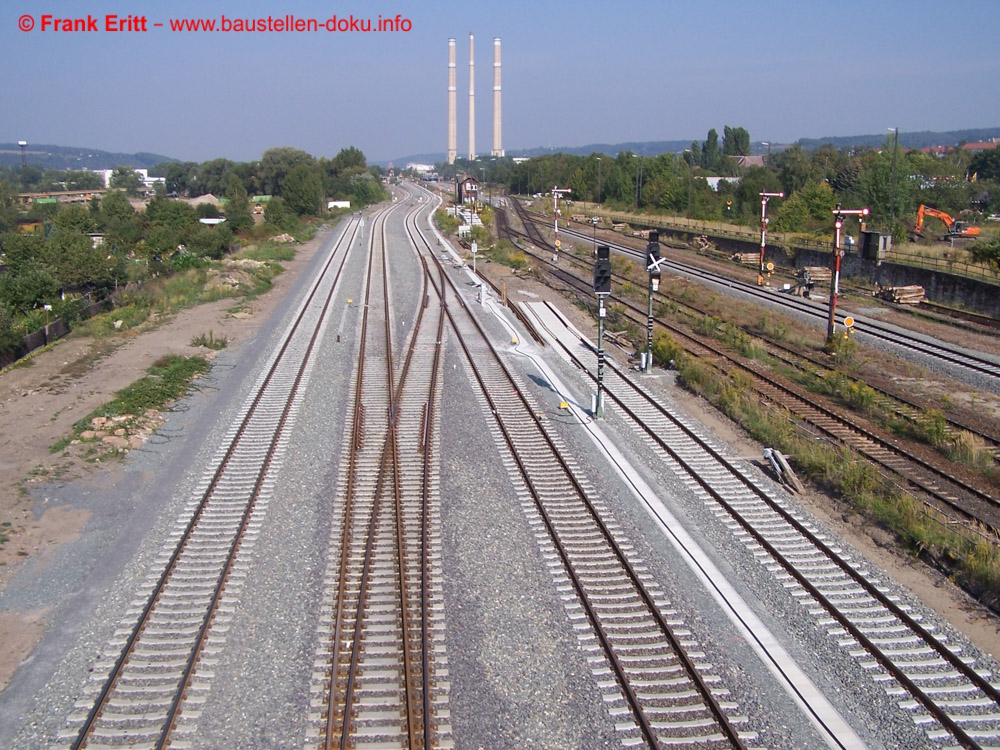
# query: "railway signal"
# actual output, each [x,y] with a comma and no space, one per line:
[556,192]
[764,221]
[838,253]
[653,261]
[602,288]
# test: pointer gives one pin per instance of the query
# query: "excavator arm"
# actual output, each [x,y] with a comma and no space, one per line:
[955,228]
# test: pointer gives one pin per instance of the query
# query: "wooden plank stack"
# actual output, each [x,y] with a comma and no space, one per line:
[819,274]
[747,259]
[901,295]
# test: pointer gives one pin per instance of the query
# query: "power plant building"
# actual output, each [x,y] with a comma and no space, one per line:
[497,149]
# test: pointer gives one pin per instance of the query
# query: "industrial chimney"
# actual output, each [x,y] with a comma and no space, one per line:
[497,139]
[472,99]
[452,105]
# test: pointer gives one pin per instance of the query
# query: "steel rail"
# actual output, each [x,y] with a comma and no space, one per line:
[171,565]
[947,654]
[648,731]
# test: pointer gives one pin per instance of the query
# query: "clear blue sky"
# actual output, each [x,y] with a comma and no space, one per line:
[574,73]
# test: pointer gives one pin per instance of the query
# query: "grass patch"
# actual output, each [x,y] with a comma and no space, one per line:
[268,252]
[209,341]
[972,561]
[169,379]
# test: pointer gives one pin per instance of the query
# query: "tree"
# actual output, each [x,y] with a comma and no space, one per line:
[31,287]
[987,252]
[349,157]
[277,214]
[808,209]
[238,213]
[127,179]
[710,151]
[986,165]
[794,167]
[20,250]
[78,264]
[302,190]
[74,217]
[366,189]
[82,180]
[213,177]
[277,163]
[735,141]
[181,177]
[122,228]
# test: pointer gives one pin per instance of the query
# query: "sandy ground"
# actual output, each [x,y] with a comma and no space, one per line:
[41,401]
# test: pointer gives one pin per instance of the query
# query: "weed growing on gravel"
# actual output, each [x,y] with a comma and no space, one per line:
[169,379]
[974,562]
[209,341]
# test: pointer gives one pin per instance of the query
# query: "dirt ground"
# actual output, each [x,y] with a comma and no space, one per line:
[40,401]
[42,398]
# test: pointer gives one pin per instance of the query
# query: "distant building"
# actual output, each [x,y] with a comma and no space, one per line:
[25,226]
[982,145]
[147,181]
[468,190]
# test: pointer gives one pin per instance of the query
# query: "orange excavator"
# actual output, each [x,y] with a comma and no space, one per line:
[956,229]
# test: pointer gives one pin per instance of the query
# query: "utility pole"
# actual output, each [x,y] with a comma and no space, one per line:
[764,197]
[24,165]
[892,204]
[838,223]
[598,180]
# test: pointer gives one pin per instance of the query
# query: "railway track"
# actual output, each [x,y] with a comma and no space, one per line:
[160,665]
[960,501]
[379,674]
[946,691]
[982,366]
[653,672]
[383,680]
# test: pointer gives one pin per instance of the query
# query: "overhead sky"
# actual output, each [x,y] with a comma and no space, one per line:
[575,72]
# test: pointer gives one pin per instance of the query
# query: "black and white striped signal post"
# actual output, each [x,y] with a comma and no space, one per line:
[602,288]
[653,261]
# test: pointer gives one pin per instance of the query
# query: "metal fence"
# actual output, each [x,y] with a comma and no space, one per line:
[50,332]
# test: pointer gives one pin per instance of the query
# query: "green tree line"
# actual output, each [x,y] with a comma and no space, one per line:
[958,182]
[90,249]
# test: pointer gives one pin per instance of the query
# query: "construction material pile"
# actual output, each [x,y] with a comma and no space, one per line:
[749,259]
[817,274]
[901,295]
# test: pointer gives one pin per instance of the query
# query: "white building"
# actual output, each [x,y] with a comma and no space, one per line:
[147,181]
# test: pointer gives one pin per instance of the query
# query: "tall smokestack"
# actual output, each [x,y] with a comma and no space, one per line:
[497,140]
[452,105]
[472,100]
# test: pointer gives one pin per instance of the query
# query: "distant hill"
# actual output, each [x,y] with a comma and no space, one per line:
[73,157]
[921,139]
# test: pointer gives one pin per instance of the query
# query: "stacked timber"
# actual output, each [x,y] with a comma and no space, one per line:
[901,295]
[747,259]
[818,274]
